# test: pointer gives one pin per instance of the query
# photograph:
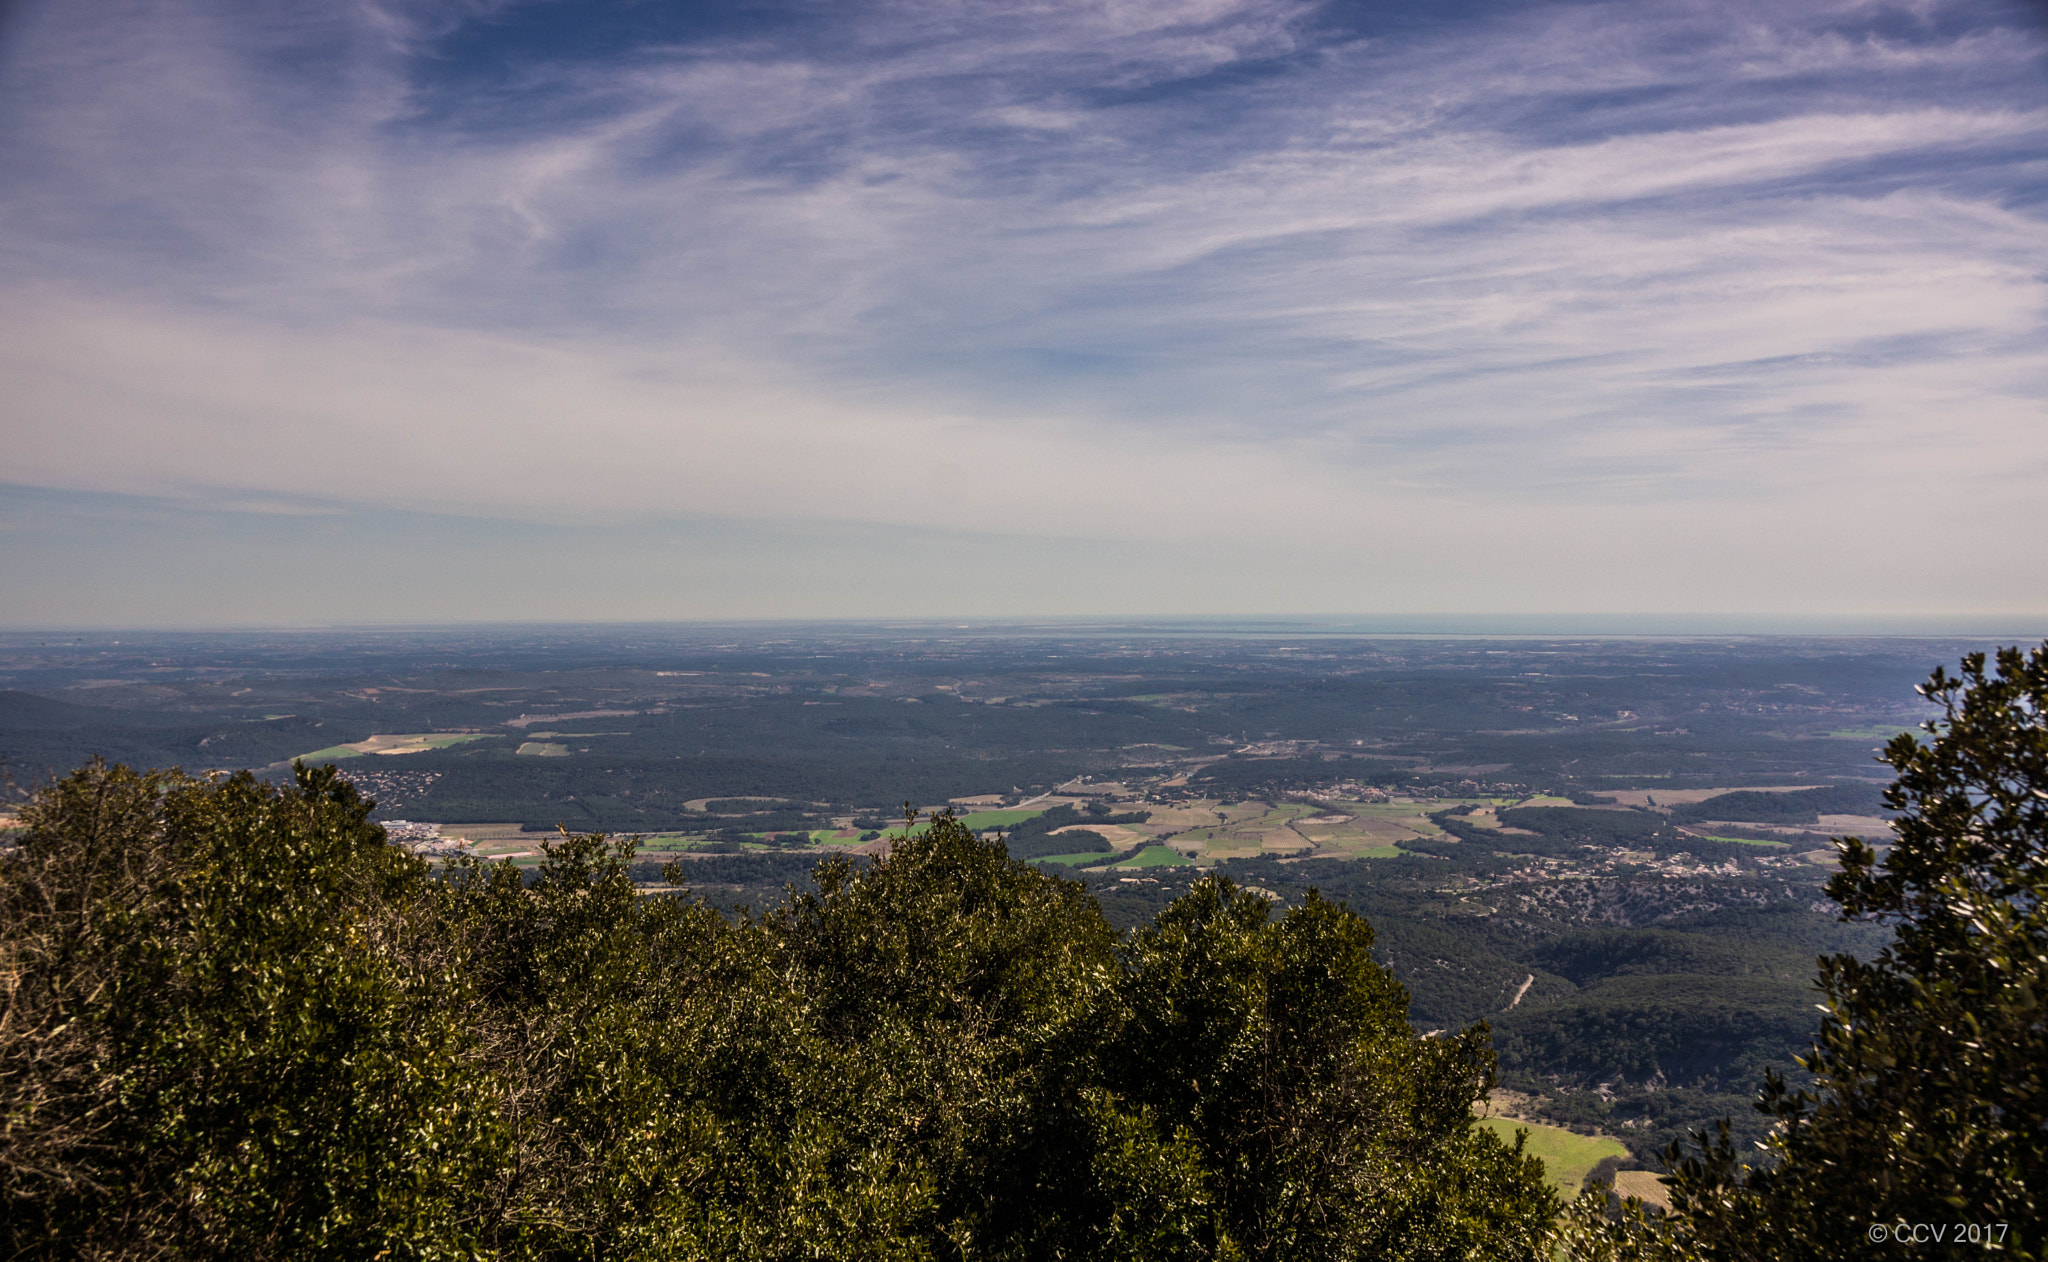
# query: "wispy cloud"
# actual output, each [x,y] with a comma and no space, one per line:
[1405,299]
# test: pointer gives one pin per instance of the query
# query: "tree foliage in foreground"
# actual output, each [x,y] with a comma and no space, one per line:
[1929,1108]
[238,1024]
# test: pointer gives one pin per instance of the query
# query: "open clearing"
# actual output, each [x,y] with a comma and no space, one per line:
[1368,830]
[1645,1185]
[396,743]
[1214,831]
[1490,818]
[1156,857]
[1684,797]
[1869,827]
[528,720]
[1183,815]
[542,749]
[491,832]
[997,819]
[1117,835]
[1149,857]
[1247,828]
[1567,1157]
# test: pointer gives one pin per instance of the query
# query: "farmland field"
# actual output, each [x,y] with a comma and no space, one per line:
[1122,836]
[1156,857]
[835,837]
[1215,830]
[1567,1156]
[1685,797]
[482,833]
[330,754]
[1248,828]
[1370,829]
[1645,1185]
[982,820]
[401,743]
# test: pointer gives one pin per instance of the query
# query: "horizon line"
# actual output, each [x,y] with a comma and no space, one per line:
[1607,624]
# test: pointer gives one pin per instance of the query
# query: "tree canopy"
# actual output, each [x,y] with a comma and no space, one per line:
[239,1024]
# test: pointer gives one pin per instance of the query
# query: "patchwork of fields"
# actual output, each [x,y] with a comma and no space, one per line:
[1212,831]
[1202,832]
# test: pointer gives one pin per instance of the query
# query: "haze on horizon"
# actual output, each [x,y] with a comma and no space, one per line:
[435,312]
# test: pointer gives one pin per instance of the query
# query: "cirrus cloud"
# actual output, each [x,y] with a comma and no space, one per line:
[1714,292]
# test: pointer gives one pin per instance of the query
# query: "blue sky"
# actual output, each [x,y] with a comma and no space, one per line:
[420,312]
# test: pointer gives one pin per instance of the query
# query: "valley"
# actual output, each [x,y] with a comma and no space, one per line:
[1613,851]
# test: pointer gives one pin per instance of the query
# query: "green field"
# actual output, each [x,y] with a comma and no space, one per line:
[997,819]
[543,749]
[1567,1157]
[772,840]
[1069,860]
[978,821]
[1156,857]
[331,753]
[1751,841]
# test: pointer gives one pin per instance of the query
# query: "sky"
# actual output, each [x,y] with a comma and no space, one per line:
[344,312]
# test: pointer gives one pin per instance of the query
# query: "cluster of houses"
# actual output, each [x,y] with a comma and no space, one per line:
[420,838]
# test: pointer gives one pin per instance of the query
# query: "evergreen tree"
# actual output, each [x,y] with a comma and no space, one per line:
[238,1024]
[224,1029]
[1280,1055]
